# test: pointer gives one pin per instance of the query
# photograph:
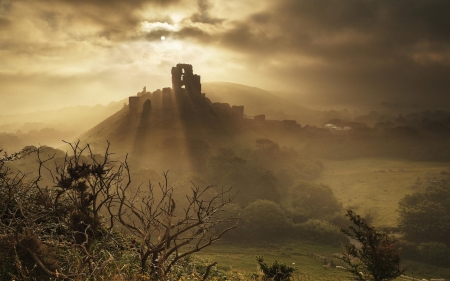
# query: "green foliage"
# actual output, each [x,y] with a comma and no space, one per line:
[251,181]
[70,230]
[310,200]
[376,258]
[264,219]
[276,271]
[320,231]
[435,253]
[425,216]
[263,173]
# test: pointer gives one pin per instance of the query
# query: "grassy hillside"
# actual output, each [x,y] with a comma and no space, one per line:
[241,258]
[258,101]
[376,185]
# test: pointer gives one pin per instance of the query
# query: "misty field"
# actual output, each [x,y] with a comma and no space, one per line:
[374,186]
[240,259]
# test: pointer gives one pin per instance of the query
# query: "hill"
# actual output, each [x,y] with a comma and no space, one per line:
[50,127]
[258,101]
[181,125]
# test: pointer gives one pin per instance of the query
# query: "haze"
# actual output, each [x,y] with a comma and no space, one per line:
[334,53]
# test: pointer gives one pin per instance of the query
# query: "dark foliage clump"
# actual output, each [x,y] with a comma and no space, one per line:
[376,258]
[277,271]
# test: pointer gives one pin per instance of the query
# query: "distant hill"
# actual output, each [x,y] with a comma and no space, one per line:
[258,101]
[75,118]
[52,126]
[168,125]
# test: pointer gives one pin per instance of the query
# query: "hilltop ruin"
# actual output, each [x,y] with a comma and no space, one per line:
[185,99]
[185,96]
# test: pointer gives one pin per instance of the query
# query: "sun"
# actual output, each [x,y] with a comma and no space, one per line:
[163,38]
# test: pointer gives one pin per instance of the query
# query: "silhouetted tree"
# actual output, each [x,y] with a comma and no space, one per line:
[166,234]
[67,231]
[376,258]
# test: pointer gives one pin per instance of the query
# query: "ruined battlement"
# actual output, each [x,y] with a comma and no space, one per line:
[185,101]
[185,96]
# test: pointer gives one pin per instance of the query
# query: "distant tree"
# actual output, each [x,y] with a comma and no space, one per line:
[253,182]
[264,219]
[425,216]
[320,231]
[310,200]
[376,258]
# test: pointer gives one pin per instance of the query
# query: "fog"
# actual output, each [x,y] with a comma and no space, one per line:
[304,108]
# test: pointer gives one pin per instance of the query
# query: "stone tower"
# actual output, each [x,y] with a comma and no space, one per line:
[183,75]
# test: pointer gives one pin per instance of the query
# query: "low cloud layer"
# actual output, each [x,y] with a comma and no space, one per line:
[335,52]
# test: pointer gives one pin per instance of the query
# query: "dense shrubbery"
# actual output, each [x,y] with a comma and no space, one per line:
[425,221]
[266,220]
[435,253]
[425,216]
[276,271]
[71,229]
[310,200]
[320,231]
[267,172]
[62,222]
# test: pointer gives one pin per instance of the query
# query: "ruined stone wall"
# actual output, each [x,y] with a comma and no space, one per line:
[133,104]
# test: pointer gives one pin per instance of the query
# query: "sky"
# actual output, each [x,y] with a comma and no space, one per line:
[57,53]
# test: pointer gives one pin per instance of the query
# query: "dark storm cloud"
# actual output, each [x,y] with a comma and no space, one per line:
[203,14]
[4,23]
[112,3]
[343,50]
[116,20]
[396,47]
[311,26]
[199,34]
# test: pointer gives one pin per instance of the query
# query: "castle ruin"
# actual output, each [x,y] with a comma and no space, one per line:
[184,96]
[186,100]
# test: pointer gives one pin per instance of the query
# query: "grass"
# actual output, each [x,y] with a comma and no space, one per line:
[376,185]
[240,258]
[366,185]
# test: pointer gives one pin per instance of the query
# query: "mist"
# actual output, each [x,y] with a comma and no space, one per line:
[302,110]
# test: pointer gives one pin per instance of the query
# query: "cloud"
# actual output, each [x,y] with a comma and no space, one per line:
[203,14]
[350,50]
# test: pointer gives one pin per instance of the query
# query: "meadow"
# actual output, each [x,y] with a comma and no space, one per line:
[368,186]
[374,186]
[239,260]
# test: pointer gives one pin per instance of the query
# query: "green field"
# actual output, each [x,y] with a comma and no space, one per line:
[376,185]
[240,258]
[366,185]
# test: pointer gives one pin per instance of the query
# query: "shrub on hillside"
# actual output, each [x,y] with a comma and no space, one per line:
[264,219]
[311,200]
[320,231]
[425,216]
[435,253]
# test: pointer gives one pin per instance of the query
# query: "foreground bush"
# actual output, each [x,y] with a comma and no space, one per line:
[71,230]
